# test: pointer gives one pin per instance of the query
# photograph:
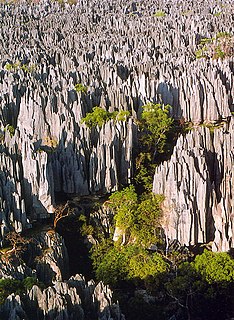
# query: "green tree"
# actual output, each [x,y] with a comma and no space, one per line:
[156,123]
[131,262]
[124,203]
[148,216]
[203,289]
[80,88]
[113,267]
[215,267]
[144,265]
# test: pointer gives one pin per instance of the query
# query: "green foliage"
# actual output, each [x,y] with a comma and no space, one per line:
[85,227]
[130,263]
[99,116]
[148,216]
[159,14]
[218,14]
[99,250]
[220,46]
[155,126]
[122,115]
[29,282]
[145,169]
[80,88]
[144,265]
[10,129]
[137,216]
[18,66]
[223,35]
[9,286]
[113,267]
[215,267]
[156,123]
[208,282]
[124,204]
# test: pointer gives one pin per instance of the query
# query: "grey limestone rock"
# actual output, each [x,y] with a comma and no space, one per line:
[125,56]
[74,299]
[197,184]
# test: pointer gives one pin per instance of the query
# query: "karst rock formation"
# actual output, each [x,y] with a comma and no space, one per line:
[125,55]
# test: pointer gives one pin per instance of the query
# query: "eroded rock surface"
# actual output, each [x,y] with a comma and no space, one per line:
[198,186]
[74,299]
[125,55]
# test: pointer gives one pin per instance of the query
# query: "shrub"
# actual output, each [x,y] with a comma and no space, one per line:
[221,46]
[100,116]
[122,115]
[144,265]
[80,88]
[148,216]
[113,266]
[97,117]
[124,204]
[10,129]
[18,66]
[139,217]
[130,263]
[215,267]
[159,14]
[9,286]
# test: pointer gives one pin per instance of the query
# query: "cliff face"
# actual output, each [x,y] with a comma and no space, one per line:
[197,183]
[126,56]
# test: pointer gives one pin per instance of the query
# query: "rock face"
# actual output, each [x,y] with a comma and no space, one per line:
[44,257]
[46,260]
[125,55]
[197,183]
[71,300]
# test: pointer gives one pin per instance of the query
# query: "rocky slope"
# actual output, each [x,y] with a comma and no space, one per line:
[197,183]
[126,56]
[45,258]
[73,299]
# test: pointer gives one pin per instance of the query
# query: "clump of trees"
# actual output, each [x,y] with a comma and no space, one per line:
[137,216]
[203,288]
[130,263]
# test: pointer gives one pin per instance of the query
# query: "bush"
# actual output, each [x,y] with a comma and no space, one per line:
[113,266]
[124,204]
[130,263]
[97,117]
[9,286]
[221,46]
[204,287]
[144,265]
[215,267]
[156,123]
[159,14]
[80,88]
[100,116]
[137,216]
